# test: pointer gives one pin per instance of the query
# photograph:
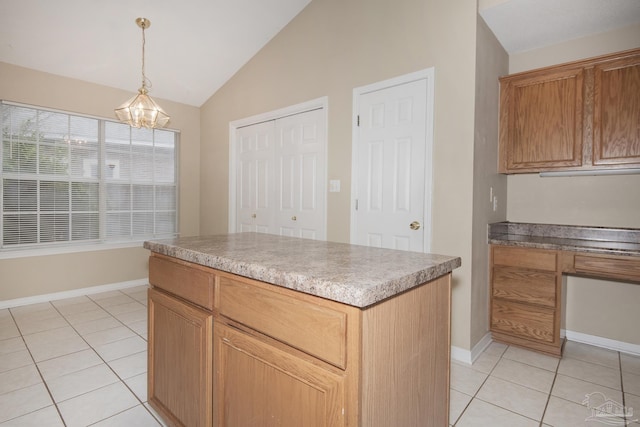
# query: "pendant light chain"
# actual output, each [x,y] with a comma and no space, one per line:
[144,77]
[146,83]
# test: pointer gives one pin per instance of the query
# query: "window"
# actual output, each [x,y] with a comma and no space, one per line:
[70,179]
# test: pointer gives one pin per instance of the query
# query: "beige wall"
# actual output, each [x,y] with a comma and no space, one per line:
[24,277]
[332,47]
[491,62]
[594,307]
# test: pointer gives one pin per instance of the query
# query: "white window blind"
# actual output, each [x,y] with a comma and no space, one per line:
[69,178]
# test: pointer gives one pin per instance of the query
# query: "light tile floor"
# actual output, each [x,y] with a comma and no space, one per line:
[82,361]
[508,386]
[76,362]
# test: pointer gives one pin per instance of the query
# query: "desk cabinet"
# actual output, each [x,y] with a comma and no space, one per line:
[525,298]
[526,290]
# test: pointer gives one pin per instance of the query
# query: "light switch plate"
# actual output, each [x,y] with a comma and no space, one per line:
[334,186]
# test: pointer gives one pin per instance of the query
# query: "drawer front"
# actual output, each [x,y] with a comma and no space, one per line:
[191,283]
[524,285]
[625,268]
[524,321]
[537,259]
[316,330]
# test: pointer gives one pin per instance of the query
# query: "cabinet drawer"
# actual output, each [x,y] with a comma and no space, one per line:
[317,330]
[627,268]
[193,284]
[537,259]
[524,321]
[524,285]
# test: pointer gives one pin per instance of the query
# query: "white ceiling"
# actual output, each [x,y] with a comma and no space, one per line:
[522,25]
[204,42]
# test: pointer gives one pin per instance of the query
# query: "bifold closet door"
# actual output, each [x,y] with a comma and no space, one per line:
[301,175]
[281,176]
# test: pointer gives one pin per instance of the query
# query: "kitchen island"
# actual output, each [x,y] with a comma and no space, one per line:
[254,329]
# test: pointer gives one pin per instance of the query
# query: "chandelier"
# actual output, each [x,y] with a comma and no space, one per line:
[141,110]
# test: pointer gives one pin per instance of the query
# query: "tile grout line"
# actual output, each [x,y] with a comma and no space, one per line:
[553,383]
[44,383]
[624,403]
[121,380]
[475,395]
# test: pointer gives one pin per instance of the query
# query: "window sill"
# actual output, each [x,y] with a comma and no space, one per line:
[59,250]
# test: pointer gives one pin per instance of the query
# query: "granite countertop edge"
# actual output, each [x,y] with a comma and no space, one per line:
[349,291]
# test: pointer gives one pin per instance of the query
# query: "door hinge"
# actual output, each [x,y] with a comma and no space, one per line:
[356,204]
[358,121]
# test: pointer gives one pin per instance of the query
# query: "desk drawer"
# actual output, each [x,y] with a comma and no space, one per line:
[182,279]
[524,285]
[523,321]
[536,259]
[317,330]
[625,268]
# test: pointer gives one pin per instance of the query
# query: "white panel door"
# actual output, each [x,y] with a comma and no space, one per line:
[392,167]
[301,175]
[255,177]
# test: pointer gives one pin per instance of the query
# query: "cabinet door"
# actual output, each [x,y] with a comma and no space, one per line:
[541,119]
[180,360]
[257,384]
[616,115]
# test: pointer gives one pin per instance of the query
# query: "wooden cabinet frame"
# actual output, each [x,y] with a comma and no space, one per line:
[180,360]
[525,310]
[576,116]
[386,364]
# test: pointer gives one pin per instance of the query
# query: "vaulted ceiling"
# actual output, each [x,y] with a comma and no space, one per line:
[194,46]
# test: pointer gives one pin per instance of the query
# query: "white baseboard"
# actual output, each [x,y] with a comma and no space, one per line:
[620,346]
[469,356]
[17,302]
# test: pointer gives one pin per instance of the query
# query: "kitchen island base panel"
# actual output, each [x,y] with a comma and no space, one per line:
[405,358]
[393,367]
[396,354]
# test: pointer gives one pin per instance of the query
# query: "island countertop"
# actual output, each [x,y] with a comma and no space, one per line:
[350,274]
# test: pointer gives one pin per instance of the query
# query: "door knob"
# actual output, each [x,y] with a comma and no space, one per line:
[253,215]
[293,218]
[415,225]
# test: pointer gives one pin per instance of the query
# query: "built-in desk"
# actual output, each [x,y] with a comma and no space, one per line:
[528,263]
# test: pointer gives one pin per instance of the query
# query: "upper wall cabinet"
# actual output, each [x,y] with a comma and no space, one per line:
[581,115]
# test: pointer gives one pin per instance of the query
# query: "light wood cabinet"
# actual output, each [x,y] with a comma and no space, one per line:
[526,290]
[265,355]
[282,357]
[616,113]
[259,384]
[180,360]
[526,287]
[577,116]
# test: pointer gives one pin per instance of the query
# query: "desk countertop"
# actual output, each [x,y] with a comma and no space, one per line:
[350,274]
[602,240]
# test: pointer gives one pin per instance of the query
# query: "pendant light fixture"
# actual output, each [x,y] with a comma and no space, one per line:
[141,110]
